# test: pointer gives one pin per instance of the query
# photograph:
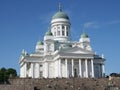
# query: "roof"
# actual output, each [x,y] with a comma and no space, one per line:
[84,35]
[48,33]
[60,14]
[39,43]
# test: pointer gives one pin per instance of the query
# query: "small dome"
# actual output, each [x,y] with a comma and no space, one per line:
[39,43]
[60,14]
[48,33]
[84,35]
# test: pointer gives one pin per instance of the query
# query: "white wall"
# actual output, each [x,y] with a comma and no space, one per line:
[23,70]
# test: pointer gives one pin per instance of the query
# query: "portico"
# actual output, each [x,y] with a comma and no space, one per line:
[81,67]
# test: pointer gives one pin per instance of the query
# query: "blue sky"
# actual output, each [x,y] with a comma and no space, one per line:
[24,22]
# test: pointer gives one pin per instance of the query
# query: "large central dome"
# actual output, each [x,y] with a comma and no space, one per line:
[60,26]
[60,14]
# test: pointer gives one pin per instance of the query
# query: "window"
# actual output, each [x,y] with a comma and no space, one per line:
[58,27]
[41,65]
[41,74]
[63,33]
[67,27]
[58,33]
[63,27]
[67,33]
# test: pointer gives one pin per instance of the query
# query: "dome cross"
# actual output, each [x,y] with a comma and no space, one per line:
[59,7]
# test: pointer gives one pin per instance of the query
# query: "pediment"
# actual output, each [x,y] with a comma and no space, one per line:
[77,50]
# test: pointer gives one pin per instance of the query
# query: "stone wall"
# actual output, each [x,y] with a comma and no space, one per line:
[61,84]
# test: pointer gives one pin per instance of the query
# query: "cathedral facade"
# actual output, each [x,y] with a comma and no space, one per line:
[58,56]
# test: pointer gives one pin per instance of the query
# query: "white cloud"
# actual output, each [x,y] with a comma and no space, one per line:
[113,22]
[88,25]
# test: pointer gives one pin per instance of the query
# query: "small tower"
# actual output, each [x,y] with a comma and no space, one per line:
[48,35]
[85,41]
[48,42]
[60,26]
[39,46]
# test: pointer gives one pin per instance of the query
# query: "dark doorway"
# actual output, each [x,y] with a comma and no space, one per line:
[75,72]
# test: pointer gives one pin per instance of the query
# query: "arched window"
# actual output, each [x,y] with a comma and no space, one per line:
[58,33]
[67,27]
[67,33]
[63,27]
[63,32]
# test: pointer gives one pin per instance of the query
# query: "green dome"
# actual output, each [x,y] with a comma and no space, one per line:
[84,35]
[48,33]
[60,14]
[39,43]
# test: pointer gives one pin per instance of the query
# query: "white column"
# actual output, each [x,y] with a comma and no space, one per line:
[66,67]
[65,31]
[25,69]
[59,67]
[46,70]
[32,70]
[80,74]
[72,68]
[86,68]
[39,70]
[92,68]
[60,30]
[103,70]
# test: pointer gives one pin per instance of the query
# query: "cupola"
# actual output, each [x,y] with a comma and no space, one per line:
[60,14]
[60,26]
[84,35]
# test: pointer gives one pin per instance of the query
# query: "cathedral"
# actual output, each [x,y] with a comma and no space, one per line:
[57,56]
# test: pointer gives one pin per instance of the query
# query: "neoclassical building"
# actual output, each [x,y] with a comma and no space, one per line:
[58,56]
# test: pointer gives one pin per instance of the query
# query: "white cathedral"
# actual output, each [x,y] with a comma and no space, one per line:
[58,56]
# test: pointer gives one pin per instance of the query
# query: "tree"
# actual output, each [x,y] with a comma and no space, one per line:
[6,73]
[115,75]
[12,72]
[2,74]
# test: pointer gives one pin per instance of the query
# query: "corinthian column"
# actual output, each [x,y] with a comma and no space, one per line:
[72,68]
[103,70]
[80,74]
[46,70]
[59,67]
[66,67]
[86,68]
[32,70]
[92,68]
